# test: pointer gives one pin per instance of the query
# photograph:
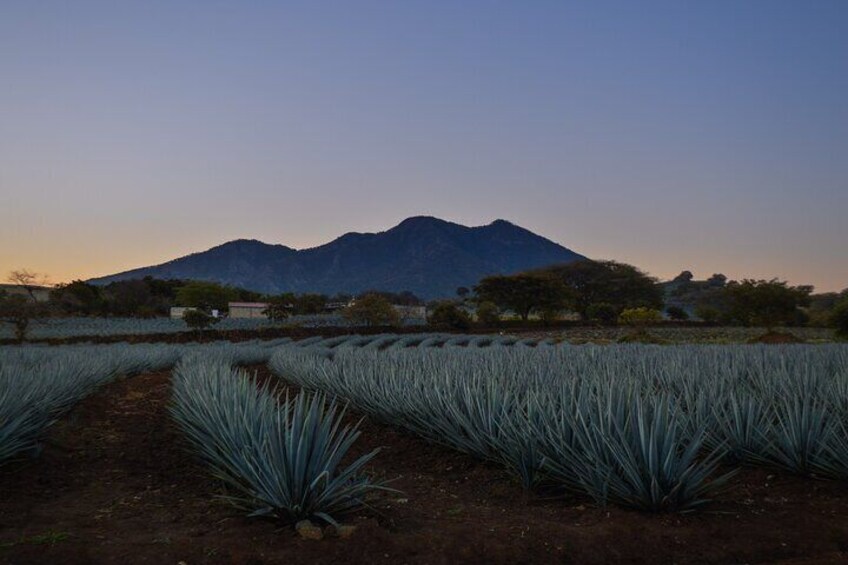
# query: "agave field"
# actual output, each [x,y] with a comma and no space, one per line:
[640,426]
[656,429]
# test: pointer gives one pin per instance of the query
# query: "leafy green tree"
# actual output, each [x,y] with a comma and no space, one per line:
[371,310]
[676,313]
[765,303]
[603,312]
[448,315]
[488,313]
[593,282]
[206,295]
[524,293]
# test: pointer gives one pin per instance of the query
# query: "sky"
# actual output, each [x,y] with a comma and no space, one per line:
[707,136]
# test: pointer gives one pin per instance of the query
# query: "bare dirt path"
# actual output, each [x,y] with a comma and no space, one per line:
[114,484]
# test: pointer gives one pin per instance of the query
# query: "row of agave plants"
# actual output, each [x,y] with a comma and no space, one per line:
[278,456]
[38,384]
[648,427]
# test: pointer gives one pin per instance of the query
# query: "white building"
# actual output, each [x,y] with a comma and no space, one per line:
[248,309]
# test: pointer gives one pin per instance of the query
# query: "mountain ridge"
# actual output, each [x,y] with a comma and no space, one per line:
[423,254]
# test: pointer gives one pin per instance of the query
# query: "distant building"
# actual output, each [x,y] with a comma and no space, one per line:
[177,312]
[248,309]
[41,293]
[411,312]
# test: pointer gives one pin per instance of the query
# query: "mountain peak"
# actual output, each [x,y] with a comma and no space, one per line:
[423,254]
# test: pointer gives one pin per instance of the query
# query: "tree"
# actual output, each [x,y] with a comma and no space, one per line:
[29,281]
[765,303]
[78,297]
[603,312]
[839,318]
[448,315]
[371,310]
[524,293]
[684,277]
[198,319]
[280,307]
[310,304]
[594,282]
[463,292]
[20,311]
[488,313]
[206,295]
[717,280]
[677,313]
[708,314]
[129,298]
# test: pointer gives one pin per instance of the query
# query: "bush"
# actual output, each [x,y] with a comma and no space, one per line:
[447,315]
[198,319]
[488,314]
[708,314]
[639,316]
[676,313]
[603,312]
[372,310]
[839,319]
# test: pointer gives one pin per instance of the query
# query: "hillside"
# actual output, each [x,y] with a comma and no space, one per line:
[428,256]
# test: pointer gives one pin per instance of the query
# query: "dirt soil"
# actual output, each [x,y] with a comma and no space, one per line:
[114,484]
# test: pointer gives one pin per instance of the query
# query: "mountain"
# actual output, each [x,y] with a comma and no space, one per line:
[428,256]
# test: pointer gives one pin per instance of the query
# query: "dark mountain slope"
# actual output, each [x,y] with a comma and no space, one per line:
[429,256]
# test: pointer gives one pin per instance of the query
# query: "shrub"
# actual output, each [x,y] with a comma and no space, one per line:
[448,315]
[708,314]
[372,310]
[488,313]
[839,319]
[198,319]
[639,316]
[677,313]
[603,312]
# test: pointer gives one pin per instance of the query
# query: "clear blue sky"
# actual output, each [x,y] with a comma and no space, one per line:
[710,136]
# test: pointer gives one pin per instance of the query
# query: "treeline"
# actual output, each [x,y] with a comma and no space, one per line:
[149,297]
[609,292]
[601,292]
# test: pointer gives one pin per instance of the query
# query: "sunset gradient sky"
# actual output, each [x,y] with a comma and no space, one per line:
[710,136]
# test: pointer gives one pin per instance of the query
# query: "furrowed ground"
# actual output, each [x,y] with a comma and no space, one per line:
[116,484]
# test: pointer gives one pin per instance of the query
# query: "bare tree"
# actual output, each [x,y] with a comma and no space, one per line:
[29,281]
[17,309]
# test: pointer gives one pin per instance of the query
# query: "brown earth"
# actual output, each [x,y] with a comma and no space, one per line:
[115,485]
